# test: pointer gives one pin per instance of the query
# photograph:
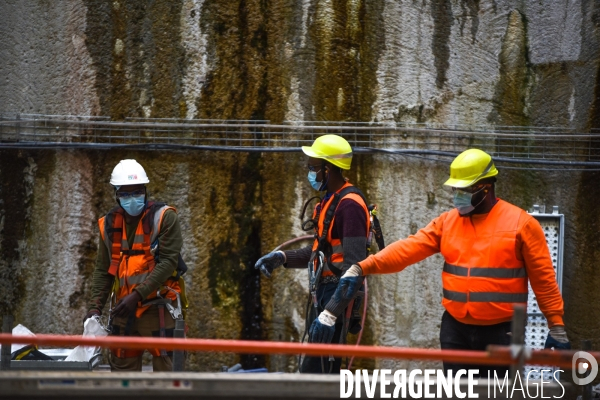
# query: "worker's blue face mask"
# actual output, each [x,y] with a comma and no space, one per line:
[462,201]
[133,205]
[312,178]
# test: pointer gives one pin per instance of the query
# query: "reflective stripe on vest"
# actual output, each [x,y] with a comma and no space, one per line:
[482,276]
[485,272]
[132,280]
[485,297]
[336,259]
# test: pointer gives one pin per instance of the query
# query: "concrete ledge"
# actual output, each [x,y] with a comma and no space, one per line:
[222,386]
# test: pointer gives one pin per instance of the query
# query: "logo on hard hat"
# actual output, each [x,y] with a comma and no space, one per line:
[132,177]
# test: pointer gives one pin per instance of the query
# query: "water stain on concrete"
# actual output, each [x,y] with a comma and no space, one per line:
[136,51]
[441,12]
[13,213]
[348,44]
[231,265]
[470,12]
[510,99]
[245,80]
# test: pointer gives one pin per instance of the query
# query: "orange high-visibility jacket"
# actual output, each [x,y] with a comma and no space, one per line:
[133,266]
[488,260]
[336,258]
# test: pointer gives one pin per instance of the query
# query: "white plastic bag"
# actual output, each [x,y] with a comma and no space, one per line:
[20,330]
[91,328]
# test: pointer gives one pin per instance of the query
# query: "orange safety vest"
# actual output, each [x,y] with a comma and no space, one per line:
[335,255]
[482,275]
[133,266]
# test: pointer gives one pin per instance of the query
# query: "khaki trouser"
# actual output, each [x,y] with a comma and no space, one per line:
[147,325]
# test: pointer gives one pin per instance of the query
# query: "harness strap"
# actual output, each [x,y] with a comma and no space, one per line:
[378,233]
[125,353]
[149,217]
[323,243]
[155,300]
[133,252]
[114,227]
[161,321]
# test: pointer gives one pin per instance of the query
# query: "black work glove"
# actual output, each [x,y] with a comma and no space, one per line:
[127,305]
[557,339]
[90,314]
[268,263]
[347,289]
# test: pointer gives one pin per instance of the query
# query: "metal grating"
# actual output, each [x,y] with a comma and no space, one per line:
[536,330]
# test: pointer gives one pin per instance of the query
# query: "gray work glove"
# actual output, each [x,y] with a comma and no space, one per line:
[268,263]
[557,338]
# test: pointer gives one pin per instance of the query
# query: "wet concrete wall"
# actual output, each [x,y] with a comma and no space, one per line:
[448,61]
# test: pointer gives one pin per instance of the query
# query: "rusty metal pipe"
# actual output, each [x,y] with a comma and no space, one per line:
[496,355]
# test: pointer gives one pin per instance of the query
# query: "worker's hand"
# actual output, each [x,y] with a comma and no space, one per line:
[268,263]
[126,305]
[322,328]
[90,314]
[354,270]
[347,289]
[557,339]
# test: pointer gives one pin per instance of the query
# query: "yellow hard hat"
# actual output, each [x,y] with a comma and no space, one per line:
[332,148]
[469,167]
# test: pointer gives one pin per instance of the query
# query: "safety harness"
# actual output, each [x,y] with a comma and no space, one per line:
[351,316]
[324,246]
[150,248]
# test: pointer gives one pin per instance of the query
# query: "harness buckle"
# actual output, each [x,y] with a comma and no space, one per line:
[175,312]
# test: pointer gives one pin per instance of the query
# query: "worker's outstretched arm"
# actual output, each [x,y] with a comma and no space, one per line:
[298,258]
[402,253]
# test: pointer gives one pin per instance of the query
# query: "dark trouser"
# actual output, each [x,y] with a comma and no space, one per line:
[318,365]
[455,335]
[147,325]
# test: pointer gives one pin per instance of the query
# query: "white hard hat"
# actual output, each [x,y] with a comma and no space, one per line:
[128,172]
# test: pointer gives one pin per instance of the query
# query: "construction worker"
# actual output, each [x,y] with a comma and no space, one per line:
[342,243]
[137,264]
[491,248]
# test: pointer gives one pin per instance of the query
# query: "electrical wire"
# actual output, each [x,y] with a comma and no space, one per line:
[446,157]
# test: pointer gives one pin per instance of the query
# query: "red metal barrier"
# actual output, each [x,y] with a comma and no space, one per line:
[497,355]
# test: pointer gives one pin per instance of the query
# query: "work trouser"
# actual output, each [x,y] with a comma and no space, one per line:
[147,325]
[317,365]
[455,335]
